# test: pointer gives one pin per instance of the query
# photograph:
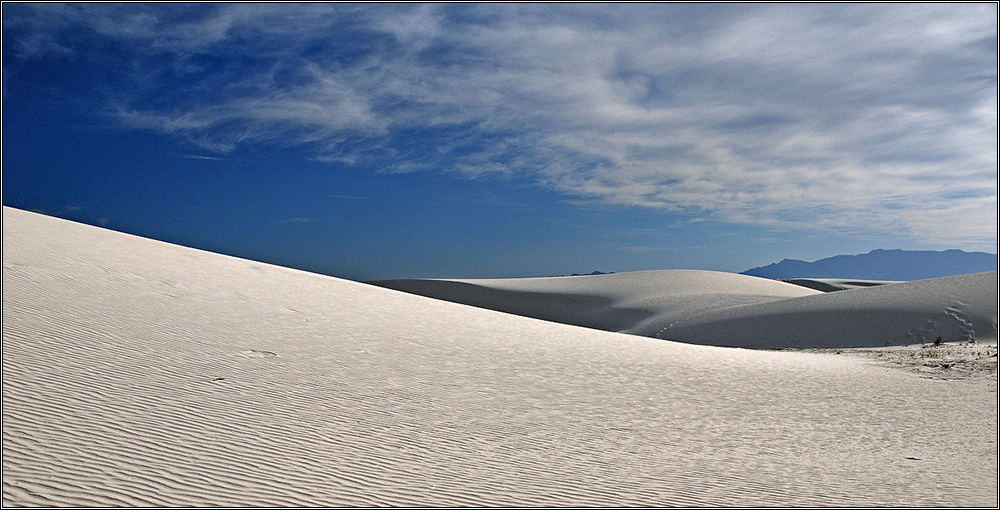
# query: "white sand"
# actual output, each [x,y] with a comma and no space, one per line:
[138,372]
[713,308]
[640,302]
[953,309]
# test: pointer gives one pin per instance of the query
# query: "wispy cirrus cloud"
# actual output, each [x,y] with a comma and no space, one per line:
[851,118]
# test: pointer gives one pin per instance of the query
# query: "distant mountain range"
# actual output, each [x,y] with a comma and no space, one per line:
[883,265]
[578,274]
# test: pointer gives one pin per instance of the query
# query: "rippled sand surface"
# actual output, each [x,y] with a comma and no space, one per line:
[141,373]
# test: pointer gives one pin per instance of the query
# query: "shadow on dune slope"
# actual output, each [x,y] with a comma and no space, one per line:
[597,312]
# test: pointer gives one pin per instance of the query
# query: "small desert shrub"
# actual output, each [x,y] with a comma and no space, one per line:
[928,353]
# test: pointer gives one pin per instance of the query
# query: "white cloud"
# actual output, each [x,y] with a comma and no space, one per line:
[877,118]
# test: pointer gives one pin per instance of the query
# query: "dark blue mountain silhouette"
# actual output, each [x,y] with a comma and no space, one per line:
[883,265]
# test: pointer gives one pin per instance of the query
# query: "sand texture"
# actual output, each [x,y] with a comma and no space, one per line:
[137,372]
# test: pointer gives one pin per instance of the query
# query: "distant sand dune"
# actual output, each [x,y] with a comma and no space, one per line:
[712,308]
[949,309]
[636,302]
[137,372]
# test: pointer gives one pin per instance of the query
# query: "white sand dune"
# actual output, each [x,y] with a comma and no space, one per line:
[712,308]
[638,302]
[950,309]
[141,373]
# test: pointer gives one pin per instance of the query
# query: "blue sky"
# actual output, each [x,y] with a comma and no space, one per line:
[505,140]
